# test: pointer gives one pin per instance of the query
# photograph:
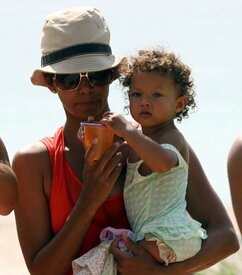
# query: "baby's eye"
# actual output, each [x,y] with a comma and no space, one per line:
[135,94]
[157,94]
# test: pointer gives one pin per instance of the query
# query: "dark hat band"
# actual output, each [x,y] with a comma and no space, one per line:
[89,48]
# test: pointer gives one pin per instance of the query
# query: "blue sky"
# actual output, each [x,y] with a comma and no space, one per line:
[206,34]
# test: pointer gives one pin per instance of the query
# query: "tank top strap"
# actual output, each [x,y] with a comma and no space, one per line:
[174,149]
[53,142]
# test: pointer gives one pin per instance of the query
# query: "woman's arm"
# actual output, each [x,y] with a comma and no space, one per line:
[204,205]
[235,178]
[45,253]
[8,185]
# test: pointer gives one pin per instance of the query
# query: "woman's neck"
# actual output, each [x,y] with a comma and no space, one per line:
[70,135]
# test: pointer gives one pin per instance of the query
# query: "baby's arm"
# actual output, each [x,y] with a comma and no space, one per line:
[8,188]
[156,157]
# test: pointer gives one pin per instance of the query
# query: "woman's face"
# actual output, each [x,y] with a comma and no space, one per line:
[85,100]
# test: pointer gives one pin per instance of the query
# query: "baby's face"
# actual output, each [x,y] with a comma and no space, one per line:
[154,98]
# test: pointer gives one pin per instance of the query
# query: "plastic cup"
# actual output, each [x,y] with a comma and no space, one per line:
[104,135]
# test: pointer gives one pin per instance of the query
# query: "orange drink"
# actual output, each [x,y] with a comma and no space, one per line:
[104,135]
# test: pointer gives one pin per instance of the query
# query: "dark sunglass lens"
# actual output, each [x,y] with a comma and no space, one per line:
[100,78]
[67,81]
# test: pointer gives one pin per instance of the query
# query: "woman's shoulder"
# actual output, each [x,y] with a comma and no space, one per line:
[31,155]
[32,164]
[38,151]
[32,149]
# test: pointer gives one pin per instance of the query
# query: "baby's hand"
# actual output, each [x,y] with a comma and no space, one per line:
[116,122]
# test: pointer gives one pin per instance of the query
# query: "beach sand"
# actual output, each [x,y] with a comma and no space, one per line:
[11,258]
[12,262]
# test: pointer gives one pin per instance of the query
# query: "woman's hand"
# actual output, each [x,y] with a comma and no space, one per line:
[100,176]
[139,261]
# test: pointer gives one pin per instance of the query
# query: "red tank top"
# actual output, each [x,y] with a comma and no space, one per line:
[65,191]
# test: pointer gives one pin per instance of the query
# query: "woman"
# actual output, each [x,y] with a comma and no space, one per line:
[65,199]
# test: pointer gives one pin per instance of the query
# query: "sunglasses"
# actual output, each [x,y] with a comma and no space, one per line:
[69,82]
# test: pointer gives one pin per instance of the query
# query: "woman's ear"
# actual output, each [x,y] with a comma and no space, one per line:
[181,103]
[47,80]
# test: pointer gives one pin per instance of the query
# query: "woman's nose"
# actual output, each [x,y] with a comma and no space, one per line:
[84,86]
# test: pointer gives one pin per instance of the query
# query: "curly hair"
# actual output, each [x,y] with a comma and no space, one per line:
[168,64]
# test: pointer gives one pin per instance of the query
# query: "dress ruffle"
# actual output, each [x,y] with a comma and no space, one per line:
[171,233]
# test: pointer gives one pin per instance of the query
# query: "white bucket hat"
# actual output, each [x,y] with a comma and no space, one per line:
[73,41]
